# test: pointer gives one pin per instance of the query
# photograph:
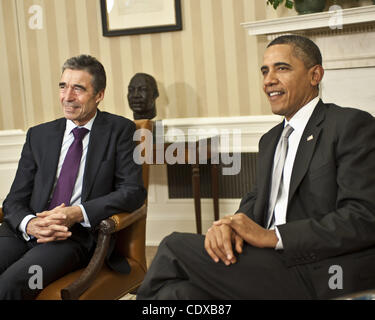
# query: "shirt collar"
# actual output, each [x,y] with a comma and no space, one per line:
[300,119]
[70,125]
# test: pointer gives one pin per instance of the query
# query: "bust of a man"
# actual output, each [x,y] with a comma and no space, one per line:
[142,93]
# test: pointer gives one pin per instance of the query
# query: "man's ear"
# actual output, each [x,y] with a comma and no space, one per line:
[99,96]
[317,73]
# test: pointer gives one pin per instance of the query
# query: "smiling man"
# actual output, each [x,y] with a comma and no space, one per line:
[73,173]
[313,206]
[291,77]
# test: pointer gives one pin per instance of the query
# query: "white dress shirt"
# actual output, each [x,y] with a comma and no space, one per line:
[76,195]
[298,122]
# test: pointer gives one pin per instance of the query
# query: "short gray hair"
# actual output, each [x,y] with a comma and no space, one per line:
[90,65]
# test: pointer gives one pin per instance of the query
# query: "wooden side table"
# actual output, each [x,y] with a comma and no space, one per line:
[193,152]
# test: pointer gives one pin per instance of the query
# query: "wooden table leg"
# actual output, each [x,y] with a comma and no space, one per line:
[215,189]
[197,196]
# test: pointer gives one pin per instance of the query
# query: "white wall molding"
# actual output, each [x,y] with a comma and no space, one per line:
[346,37]
[316,21]
[11,142]
[251,128]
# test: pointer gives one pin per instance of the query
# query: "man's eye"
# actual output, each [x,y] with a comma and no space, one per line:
[78,89]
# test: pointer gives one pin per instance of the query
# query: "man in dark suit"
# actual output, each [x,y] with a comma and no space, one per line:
[50,214]
[307,230]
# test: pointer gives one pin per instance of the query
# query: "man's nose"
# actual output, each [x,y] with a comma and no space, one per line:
[270,79]
[69,94]
[137,92]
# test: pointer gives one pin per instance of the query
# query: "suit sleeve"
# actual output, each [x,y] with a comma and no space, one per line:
[16,205]
[128,192]
[247,204]
[351,226]
[248,201]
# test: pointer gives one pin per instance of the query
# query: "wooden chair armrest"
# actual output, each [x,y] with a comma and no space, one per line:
[75,289]
[123,220]
[106,228]
[1,215]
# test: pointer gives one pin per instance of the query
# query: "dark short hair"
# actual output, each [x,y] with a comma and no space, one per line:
[90,65]
[304,49]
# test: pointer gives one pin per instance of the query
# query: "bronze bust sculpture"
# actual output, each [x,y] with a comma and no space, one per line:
[142,93]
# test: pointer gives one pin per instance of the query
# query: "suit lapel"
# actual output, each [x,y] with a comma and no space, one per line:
[50,161]
[265,165]
[99,137]
[306,148]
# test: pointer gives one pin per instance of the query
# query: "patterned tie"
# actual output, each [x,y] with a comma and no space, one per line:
[277,178]
[68,174]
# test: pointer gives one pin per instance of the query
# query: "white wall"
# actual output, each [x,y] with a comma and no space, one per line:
[350,88]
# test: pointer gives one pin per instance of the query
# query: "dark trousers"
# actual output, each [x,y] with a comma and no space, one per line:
[54,259]
[182,269]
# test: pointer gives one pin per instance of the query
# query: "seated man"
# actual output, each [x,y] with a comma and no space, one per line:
[313,206]
[73,172]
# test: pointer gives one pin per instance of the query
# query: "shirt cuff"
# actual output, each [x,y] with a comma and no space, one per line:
[279,245]
[86,222]
[23,225]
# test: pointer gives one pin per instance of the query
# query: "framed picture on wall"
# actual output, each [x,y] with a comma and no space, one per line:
[128,17]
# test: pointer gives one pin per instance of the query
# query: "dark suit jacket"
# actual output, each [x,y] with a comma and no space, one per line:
[331,205]
[112,182]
